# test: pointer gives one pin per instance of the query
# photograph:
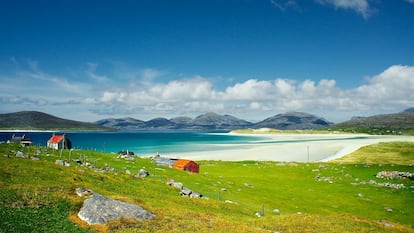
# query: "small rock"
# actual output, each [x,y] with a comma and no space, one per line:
[248,185]
[385,223]
[185,192]
[21,155]
[259,215]
[178,185]
[143,173]
[170,182]
[276,211]
[60,162]
[83,192]
[195,195]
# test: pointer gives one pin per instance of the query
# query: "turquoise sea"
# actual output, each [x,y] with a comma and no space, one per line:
[142,143]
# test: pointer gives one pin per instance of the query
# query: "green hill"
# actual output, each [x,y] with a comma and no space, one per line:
[397,123]
[32,120]
[39,195]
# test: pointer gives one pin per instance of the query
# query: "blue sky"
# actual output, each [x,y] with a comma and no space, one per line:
[89,60]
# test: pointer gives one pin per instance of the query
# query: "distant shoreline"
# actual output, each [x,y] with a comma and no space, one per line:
[27,131]
[296,147]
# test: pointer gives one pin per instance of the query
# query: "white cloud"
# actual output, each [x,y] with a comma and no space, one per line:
[249,90]
[360,6]
[393,86]
[390,90]
[204,106]
[195,89]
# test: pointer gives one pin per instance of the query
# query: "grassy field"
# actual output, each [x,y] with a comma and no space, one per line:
[398,153]
[38,195]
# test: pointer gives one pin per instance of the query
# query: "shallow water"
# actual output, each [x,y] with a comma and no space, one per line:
[143,143]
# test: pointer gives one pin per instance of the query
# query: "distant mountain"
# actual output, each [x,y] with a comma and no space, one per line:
[214,121]
[409,110]
[32,120]
[208,121]
[358,117]
[181,122]
[158,123]
[396,121]
[123,123]
[292,121]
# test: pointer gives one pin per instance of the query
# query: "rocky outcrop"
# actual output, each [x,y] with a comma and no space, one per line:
[98,209]
[183,190]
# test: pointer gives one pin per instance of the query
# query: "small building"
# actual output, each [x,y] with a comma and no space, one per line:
[58,142]
[180,164]
[23,140]
[126,152]
[187,165]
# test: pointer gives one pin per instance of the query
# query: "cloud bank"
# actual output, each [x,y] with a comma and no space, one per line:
[146,95]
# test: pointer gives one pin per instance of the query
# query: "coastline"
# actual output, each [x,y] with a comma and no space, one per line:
[27,131]
[295,147]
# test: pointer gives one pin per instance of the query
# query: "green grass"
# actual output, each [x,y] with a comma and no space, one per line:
[38,196]
[401,153]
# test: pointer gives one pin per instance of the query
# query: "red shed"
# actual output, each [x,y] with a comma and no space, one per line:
[187,165]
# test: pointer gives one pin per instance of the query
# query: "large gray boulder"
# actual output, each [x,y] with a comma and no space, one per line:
[98,209]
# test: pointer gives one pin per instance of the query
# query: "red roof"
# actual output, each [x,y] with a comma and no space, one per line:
[186,165]
[181,163]
[56,138]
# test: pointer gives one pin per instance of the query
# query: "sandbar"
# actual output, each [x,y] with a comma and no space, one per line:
[293,147]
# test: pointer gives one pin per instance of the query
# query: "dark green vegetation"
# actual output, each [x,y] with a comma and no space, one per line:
[398,123]
[31,120]
[38,195]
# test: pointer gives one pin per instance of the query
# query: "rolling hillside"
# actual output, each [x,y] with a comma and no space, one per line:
[397,121]
[32,120]
[293,121]
[38,195]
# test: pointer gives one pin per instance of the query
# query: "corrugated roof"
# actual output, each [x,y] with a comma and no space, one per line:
[164,161]
[181,163]
[56,138]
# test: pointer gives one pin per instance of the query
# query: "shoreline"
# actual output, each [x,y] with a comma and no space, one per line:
[295,147]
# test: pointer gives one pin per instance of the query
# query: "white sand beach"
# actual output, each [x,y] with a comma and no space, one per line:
[294,147]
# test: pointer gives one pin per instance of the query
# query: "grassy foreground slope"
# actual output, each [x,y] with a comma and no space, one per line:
[38,195]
